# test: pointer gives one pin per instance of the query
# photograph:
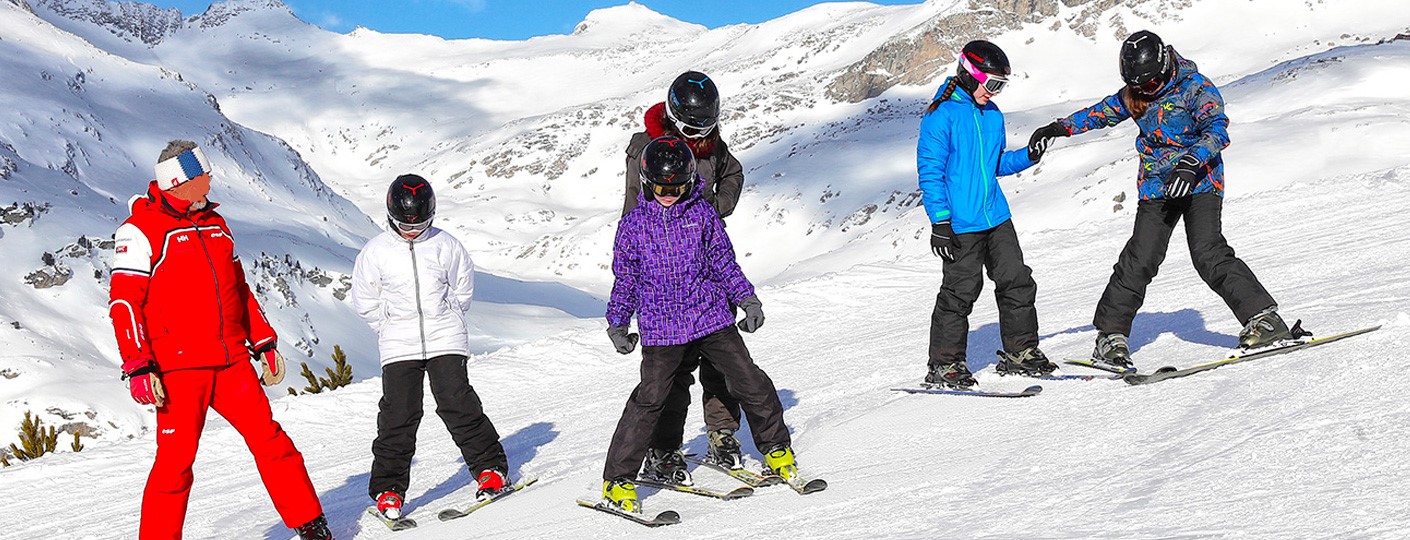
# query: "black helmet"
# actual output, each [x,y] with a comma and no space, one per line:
[693,104]
[983,63]
[1146,62]
[667,167]
[411,204]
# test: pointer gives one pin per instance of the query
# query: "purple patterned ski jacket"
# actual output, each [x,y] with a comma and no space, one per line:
[675,269]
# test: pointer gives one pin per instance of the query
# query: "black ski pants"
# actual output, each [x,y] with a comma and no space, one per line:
[399,415]
[721,410]
[664,368]
[1214,260]
[997,252]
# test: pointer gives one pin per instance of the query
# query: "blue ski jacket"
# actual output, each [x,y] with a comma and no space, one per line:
[1187,117]
[959,159]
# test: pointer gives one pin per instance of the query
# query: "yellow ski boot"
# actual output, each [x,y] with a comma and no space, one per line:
[621,493]
[779,461]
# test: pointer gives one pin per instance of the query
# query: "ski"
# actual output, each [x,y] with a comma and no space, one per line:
[456,513]
[1171,372]
[668,517]
[1030,391]
[740,493]
[1088,362]
[399,524]
[804,485]
[750,478]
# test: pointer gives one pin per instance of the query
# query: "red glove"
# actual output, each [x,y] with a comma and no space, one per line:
[144,381]
[273,372]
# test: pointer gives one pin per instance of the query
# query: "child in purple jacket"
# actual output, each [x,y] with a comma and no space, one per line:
[675,270]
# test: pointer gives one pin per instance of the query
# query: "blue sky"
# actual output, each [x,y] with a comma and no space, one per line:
[508,19]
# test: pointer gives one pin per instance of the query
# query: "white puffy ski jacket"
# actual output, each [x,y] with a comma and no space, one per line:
[415,294]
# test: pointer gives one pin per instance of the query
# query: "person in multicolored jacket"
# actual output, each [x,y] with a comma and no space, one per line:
[691,112]
[675,270]
[1183,133]
[959,157]
[187,329]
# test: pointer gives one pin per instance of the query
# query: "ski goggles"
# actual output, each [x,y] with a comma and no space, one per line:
[663,190]
[993,83]
[691,131]
[1148,88]
[411,228]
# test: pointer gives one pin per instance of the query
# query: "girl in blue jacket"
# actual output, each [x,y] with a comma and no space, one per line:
[959,159]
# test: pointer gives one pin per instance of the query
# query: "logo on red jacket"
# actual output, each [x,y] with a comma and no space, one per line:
[122,249]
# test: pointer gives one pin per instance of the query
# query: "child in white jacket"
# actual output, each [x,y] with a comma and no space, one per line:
[413,285]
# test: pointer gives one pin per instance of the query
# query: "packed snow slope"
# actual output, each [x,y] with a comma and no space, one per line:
[526,138]
[1309,445]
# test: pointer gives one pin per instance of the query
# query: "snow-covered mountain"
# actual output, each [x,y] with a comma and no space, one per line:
[524,140]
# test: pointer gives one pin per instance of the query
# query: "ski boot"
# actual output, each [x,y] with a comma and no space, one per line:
[724,449]
[491,483]
[317,529]
[621,494]
[955,376]
[389,504]
[666,466]
[780,461]
[1264,329]
[1029,362]
[1112,353]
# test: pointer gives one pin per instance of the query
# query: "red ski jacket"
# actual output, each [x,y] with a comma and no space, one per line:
[179,295]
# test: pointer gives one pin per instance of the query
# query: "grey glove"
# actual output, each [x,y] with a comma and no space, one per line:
[753,314]
[624,343]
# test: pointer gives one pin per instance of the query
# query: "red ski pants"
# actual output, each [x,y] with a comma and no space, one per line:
[234,392]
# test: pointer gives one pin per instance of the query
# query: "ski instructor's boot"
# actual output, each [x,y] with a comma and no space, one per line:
[1112,353]
[724,449]
[953,376]
[1264,329]
[666,466]
[1029,362]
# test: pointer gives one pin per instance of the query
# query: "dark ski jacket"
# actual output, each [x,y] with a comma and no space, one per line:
[719,170]
[1187,117]
[675,269]
[959,159]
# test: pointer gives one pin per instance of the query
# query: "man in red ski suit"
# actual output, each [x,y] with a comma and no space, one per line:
[187,328]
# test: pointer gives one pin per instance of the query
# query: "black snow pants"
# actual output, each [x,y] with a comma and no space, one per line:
[399,415]
[997,251]
[721,410]
[665,368]
[1214,260]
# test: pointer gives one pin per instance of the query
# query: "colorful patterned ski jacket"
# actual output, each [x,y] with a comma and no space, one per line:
[675,270]
[178,292]
[959,159]
[1186,118]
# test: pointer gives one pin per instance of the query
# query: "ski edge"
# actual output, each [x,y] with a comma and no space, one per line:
[453,512]
[738,493]
[667,517]
[1026,392]
[396,525]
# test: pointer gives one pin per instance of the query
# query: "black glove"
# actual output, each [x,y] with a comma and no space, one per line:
[1182,178]
[753,314]
[943,242]
[625,343]
[1042,137]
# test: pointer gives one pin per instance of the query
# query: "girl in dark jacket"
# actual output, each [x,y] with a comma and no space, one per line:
[1183,131]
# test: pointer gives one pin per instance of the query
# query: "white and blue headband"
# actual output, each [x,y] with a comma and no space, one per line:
[174,171]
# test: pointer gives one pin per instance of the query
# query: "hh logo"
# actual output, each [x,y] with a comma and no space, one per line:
[168,431]
[183,238]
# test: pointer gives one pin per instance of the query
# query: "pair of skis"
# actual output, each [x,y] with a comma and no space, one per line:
[455,512]
[751,479]
[1162,374]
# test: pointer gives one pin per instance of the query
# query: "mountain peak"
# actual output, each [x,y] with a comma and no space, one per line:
[220,12]
[631,18]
